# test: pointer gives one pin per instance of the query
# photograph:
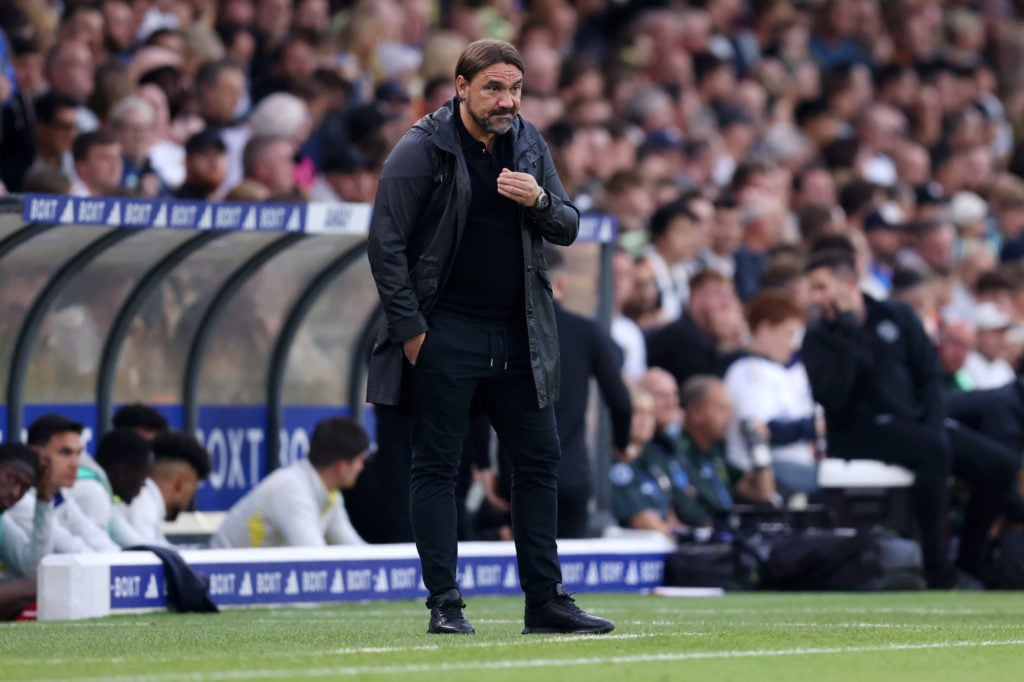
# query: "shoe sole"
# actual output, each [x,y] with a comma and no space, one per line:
[575,631]
[451,632]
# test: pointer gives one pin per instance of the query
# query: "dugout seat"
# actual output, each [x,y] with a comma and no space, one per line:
[867,493]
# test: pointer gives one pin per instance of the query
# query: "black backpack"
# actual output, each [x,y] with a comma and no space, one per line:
[844,559]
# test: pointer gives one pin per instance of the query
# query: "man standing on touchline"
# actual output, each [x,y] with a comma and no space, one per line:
[465,202]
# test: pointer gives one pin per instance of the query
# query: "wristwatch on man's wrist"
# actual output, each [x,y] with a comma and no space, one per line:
[543,200]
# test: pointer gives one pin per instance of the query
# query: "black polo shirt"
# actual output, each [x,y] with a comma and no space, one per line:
[486,281]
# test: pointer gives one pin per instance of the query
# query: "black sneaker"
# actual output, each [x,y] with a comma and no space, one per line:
[446,616]
[560,615]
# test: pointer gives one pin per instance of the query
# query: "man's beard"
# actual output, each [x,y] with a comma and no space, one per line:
[490,125]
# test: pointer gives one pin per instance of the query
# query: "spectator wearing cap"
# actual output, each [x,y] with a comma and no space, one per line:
[206,166]
[98,164]
[71,72]
[986,365]
[346,175]
[270,161]
[882,229]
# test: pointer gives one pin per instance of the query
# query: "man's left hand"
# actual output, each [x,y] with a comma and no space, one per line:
[521,188]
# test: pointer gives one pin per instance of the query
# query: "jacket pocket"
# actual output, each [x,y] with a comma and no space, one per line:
[426,277]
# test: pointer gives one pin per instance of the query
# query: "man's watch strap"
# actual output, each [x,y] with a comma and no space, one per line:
[543,200]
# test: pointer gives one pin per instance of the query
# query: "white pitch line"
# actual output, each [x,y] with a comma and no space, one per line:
[353,651]
[492,645]
[536,663]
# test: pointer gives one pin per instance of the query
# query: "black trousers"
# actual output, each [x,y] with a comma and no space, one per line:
[933,454]
[991,470]
[573,511]
[464,365]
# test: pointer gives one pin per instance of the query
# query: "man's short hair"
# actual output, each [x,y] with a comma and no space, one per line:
[178,446]
[994,281]
[664,216]
[84,143]
[772,307]
[838,261]
[481,54]
[335,439]
[706,277]
[209,71]
[694,390]
[48,104]
[122,447]
[19,452]
[139,416]
[49,425]
[255,148]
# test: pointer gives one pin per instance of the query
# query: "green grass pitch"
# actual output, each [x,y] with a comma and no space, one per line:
[927,637]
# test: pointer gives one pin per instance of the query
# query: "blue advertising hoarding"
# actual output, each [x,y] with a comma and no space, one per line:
[322,581]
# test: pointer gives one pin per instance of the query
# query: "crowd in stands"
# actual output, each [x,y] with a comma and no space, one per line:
[733,140]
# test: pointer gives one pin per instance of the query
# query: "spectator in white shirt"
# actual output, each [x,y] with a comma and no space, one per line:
[676,241]
[773,402]
[627,333]
[986,365]
[301,505]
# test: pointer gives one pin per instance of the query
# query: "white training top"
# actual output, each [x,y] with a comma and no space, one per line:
[144,514]
[289,508]
[20,551]
[73,531]
[97,501]
[766,391]
[987,373]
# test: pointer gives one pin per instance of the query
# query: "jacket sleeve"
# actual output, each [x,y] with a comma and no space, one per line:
[559,223]
[92,499]
[406,182]
[84,529]
[22,551]
[833,360]
[606,367]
